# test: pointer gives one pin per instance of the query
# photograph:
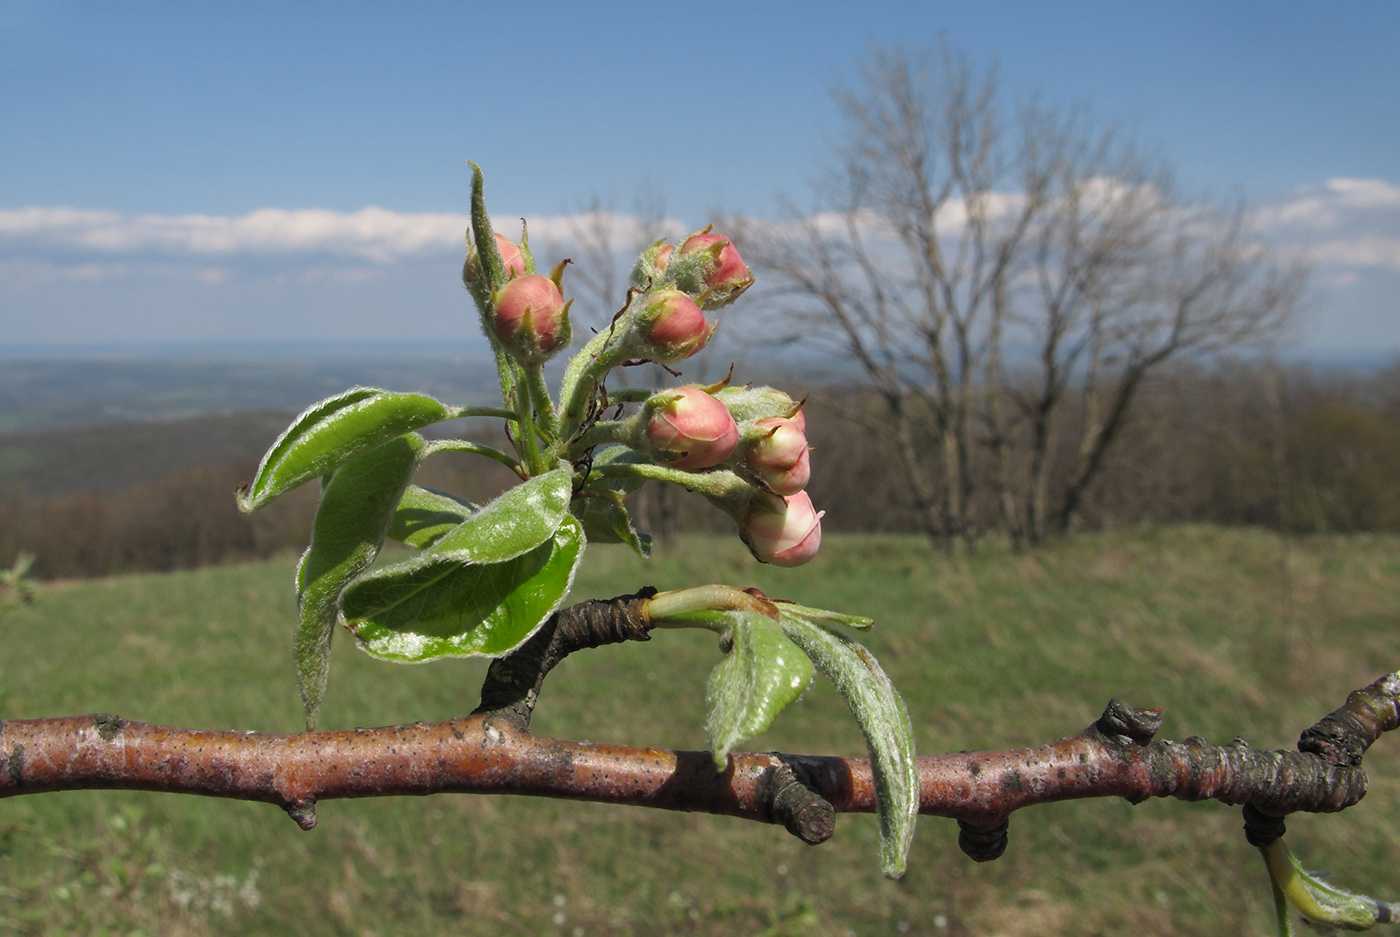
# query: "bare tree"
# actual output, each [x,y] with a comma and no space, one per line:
[996,279]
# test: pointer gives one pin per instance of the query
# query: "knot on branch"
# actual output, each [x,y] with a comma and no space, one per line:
[1262,829]
[1124,724]
[302,812]
[605,621]
[790,800]
[1342,737]
[983,843]
[513,683]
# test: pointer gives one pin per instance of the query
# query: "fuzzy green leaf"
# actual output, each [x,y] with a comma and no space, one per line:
[454,609]
[605,520]
[761,674]
[425,514]
[357,505]
[883,720]
[334,431]
[519,520]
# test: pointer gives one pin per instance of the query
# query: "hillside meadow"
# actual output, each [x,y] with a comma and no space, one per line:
[1233,632]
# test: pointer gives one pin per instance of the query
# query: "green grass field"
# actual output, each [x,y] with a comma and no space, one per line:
[1233,632]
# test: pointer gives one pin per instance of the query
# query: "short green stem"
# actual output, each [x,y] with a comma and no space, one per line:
[584,373]
[526,443]
[716,483]
[691,607]
[463,445]
[540,400]
[498,412]
[601,434]
[630,395]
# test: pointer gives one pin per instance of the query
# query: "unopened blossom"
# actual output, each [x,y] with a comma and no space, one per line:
[784,531]
[531,317]
[725,275]
[780,455]
[677,328]
[689,429]
[511,258]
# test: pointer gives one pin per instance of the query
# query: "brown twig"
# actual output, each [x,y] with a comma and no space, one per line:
[482,753]
[492,751]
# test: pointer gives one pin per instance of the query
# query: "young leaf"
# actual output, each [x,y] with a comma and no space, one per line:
[762,673]
[1322,904]
[605,520]
[356,507]
[425,514]
[520,519]
[454,609]
[883,720]
[332,432]
[827,619]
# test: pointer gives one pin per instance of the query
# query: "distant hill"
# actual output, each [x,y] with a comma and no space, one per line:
[52,392]
[109,458]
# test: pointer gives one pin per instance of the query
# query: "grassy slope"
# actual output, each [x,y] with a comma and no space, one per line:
[1229,630]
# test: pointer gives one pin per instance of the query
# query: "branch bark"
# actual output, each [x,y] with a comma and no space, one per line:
[485,754]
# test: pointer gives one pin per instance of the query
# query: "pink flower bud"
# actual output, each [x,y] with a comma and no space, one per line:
[650,268]
[690,429]
[678,327]
[782,531]
[780,457]
[531,317]
[511,257]
[726,276]
[662,256]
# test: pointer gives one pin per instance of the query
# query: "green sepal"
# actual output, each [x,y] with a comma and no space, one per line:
[605,520]
[357,505]
[484,238]
[334,431]
[425,514]
[453,609]
[762,673]
[883,720]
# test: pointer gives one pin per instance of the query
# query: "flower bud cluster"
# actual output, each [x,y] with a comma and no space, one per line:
[757,437]
[744,448]
[665,321]
[706,265]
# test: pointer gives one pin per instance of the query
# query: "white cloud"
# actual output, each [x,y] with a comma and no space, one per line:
[1365,251]
[1365,193]
[1344,222]
[29,273]
[1336,203]
[374,235]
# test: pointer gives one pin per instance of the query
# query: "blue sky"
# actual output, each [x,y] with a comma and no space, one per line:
[237,172]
